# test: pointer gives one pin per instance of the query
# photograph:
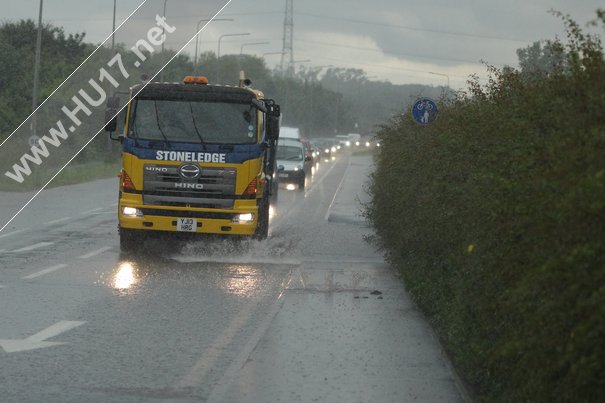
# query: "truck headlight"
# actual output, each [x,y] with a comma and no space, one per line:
[246,218]
[132,212]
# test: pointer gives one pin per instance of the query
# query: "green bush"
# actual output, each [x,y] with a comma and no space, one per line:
[495,215]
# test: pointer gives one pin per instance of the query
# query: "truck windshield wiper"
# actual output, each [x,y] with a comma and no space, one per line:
[195,126]
[157,119]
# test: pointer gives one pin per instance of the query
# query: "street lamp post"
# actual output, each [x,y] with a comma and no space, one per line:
[113,29]
[37,71]
[218,52]
[295,62]
[163,36]
[113,45]
[318,69]
[272,53]
[197,38]
[241,49]
[443,75]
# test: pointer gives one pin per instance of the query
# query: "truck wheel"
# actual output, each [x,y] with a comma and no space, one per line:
[274,193]
[129,242]
[262,227]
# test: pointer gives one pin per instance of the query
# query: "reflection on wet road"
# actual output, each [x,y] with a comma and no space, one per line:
[310,314]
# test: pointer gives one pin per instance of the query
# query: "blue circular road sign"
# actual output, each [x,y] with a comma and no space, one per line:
[424,111]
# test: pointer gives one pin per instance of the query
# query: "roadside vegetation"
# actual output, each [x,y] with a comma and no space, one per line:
[336,100]
[495,216]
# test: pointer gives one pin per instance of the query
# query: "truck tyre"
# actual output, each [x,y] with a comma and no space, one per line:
[262,227]
[128,241]
[274,193]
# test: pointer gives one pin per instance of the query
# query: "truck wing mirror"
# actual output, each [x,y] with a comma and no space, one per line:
[273,115]
[111,120]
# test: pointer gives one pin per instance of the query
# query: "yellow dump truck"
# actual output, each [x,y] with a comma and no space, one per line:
[196,158]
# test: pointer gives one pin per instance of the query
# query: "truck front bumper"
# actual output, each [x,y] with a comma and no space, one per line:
[208,222]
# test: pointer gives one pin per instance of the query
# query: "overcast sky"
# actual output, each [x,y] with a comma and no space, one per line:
[396,40]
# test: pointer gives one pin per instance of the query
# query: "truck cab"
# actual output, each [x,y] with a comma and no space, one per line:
[196,158]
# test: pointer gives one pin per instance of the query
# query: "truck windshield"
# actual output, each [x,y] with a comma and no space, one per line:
[193,122]
[289,153]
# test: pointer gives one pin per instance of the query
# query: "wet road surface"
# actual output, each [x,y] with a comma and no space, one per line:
[311,314]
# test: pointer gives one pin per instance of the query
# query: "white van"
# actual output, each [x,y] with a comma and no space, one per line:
[289,133]
[291,162]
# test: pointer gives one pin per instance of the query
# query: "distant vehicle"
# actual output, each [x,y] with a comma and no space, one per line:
[354,137]
[348,140]
[310,155]
[327,148]
[292,164]
[344,140]
[289,133]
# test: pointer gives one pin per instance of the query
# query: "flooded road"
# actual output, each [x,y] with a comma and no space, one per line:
[311,314]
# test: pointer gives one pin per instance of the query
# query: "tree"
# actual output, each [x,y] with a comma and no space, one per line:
[61,54]
[542,57]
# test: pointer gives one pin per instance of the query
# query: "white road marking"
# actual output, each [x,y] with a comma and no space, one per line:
[315,185]
[34,246]
[219,390]
[91,211]
[14,232]
[96,252]
[45,271]
[38,340]
[58,221]
[327,216]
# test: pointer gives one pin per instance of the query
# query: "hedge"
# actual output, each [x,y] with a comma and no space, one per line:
[495,216]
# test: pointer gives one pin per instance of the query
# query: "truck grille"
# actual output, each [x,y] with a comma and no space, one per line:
[212,188]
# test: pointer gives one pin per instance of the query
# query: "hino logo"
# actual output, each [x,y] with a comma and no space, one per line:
[156,169]
[197,186]
[190,171]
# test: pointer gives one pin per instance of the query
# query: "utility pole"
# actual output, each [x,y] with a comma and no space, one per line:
[287,57]
[36,89]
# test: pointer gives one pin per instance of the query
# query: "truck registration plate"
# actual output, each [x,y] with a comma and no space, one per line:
[186,225]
